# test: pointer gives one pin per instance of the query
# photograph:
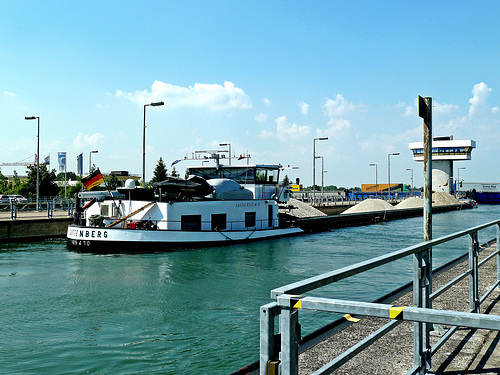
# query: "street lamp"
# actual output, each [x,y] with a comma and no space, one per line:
[90,160]
[155,104]
[376,177]
[458,177]
[411,187]
[322,173]
[229,148]
[389,171]
[37,159]
[314,165]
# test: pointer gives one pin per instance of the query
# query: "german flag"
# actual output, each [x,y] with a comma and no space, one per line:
[93,180]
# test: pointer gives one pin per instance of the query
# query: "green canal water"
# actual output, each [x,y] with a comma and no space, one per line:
[186,312]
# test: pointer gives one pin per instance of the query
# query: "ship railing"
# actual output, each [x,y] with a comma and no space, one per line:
[280,352]
[206,226]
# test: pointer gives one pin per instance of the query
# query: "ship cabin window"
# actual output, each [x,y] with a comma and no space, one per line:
[267,175]
[191,222]
[249,219]
[219,222]
[242,175]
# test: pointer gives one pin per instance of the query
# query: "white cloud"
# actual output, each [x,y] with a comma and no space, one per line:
[286,130]
[266,134]
[84,140]
[338,107]
[304,108]
[261,117]
[212,96]
[409,111]
[8,93]
[266,101]
[335,126]
[480,114]
[479,100]
[444,109]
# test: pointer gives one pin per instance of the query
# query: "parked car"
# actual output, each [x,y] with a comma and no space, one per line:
[4,198]
[18,198]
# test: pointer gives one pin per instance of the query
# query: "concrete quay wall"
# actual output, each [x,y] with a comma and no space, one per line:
[32,227]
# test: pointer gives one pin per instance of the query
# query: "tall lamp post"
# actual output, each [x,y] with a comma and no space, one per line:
[389,172]
[411,187]
[314,165]
[90,160]
[155,104]
[376,177]
[37,160]
[458,177]
[229,148]
[322,174]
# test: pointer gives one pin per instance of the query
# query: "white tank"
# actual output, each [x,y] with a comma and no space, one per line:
[130,183]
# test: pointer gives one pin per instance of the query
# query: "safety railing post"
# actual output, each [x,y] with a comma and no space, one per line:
[422,269]
[290,335]
[498,252]
[268,353]
[473,276]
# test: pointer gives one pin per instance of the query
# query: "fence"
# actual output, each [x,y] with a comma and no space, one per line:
[282,354]
[341,198]
[47,205]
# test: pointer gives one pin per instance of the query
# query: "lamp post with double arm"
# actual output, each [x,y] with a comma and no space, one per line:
[389,173]
[314,166]
[37,160]
[155,104]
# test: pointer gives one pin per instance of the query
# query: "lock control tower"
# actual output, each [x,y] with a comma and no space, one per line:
[444,151]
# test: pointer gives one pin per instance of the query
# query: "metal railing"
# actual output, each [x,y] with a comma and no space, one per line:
[282,354]
[333,199]
[45,204]
[206,226]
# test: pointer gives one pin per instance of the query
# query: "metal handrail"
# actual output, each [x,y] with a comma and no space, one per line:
[260,224]
[287,305]
[342,273]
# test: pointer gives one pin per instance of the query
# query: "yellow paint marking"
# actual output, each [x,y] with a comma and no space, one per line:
[296,301]
[351,318]
[395,311]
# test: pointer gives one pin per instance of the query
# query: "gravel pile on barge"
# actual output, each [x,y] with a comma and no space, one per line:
[299,209]
[369,205]
[438,199]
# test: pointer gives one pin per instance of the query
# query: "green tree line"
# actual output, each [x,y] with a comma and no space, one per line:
[49,179]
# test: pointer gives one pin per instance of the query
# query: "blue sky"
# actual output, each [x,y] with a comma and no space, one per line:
[267,77]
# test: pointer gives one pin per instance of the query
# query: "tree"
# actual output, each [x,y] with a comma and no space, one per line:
[4,184]
[286,181]
[112,181]
[72,190]
[16,183]
[48,187]
[69,175]
[174,173]
[160,172]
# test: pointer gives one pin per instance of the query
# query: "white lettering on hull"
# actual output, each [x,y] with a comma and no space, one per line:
[87,233]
